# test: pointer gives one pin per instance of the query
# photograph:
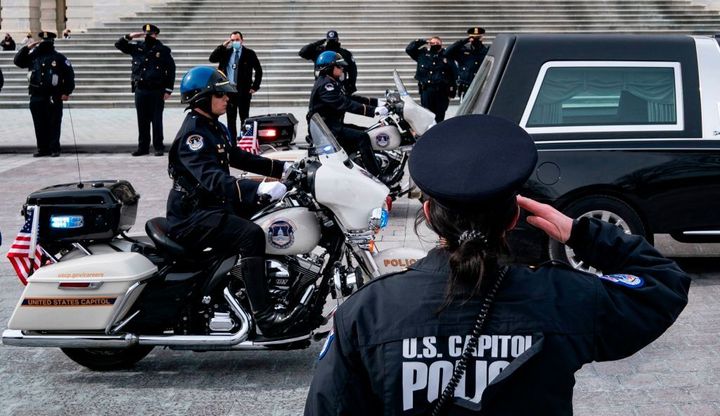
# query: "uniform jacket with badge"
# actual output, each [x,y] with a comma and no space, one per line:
[200,160]
[246,65]
[328,98]
[312,50]
[468,58]
[434,70]
[391,348]
[153,67]
[51,73]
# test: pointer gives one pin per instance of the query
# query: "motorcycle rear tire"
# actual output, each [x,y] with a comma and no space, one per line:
[108,359]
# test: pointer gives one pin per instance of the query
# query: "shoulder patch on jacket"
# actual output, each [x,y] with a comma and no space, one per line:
[195,142]
[627,280]
[329,86]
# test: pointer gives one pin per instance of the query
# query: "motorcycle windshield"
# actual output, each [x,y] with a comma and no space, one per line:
[399,86]
[322,139]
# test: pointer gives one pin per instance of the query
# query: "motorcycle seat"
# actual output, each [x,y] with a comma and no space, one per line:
[156,229]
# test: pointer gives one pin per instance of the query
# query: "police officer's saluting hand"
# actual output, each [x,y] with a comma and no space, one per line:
[397,341]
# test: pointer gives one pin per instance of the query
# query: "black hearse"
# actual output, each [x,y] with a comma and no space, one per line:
[627,127]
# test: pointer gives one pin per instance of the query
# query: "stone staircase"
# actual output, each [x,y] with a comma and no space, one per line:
[376,33]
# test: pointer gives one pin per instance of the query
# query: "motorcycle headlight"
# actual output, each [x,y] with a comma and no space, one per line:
[379,218]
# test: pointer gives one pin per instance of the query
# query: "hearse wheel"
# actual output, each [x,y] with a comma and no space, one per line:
[606,208]
[106,359]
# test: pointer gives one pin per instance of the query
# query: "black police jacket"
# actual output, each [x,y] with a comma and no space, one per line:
[434,70]
[246,66]
[468,59]
[153,67]
[312,50]
[328,98]
[199,163]
[391,348]
[51,73]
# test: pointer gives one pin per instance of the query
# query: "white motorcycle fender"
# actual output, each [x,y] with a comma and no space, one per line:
[79,294]
[385,138]
[397,259]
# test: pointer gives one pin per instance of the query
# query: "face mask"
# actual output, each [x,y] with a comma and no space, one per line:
[149,39]
[236,45]
[342,77]
[435,48]
[475,41]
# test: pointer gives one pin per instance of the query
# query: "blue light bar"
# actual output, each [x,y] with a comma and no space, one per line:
[66,221]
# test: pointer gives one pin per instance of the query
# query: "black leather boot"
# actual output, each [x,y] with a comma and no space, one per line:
[270,321]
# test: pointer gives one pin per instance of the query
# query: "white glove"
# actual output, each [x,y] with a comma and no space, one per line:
[275,190]
[381,111]
[381,102]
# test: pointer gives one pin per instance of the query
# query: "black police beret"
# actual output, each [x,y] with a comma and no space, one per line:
[331,34]
[47,35]
[475,31]
[148,28]
[473,160]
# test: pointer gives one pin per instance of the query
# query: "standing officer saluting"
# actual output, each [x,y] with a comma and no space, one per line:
[153,78]
[436,75]
[52,80]
[328,98]
[207,206]
[312,51]
[243,69]
[522,332]
[468,53]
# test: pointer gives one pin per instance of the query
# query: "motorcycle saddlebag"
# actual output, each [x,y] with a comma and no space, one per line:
[98,211]
[82,293]
[274,129]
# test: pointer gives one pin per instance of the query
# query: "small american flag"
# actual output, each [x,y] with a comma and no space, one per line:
[19,254]
[248,141]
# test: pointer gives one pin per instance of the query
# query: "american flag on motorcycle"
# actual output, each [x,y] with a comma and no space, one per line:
[21,249]
[248,141]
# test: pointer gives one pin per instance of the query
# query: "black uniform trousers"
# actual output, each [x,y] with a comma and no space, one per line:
[353,138]
[435,99]
[149,105]
[229,235]
[238,104]
[47,115]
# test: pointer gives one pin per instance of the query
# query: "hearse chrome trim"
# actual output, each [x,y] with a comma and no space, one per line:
[706,232]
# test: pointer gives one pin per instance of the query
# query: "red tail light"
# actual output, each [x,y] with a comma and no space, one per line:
[267,133]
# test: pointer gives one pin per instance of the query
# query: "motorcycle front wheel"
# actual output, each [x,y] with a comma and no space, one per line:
[107,359]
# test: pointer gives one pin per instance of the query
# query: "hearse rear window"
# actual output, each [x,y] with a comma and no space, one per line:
[605,96]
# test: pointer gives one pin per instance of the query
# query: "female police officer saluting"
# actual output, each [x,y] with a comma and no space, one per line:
[397,341]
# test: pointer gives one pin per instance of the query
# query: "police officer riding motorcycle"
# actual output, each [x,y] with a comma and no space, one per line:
[331,102]
[208,207]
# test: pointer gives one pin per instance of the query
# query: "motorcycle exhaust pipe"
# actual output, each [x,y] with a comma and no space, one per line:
[206,341]
[17,338]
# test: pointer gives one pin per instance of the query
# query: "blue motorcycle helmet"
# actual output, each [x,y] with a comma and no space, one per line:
[327,60]
[200,82]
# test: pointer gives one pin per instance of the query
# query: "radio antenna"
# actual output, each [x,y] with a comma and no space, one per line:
[77,157]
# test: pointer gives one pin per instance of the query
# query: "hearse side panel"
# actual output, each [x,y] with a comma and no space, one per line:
[674,191]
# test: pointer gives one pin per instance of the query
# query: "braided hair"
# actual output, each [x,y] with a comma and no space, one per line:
[475,239]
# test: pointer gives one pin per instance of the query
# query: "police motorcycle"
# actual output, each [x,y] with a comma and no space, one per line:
[108,299]
[392,137]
